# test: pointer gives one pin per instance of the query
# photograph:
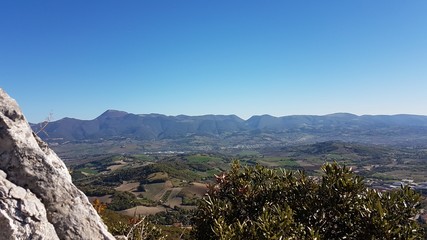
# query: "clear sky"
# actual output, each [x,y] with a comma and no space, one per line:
[78,58]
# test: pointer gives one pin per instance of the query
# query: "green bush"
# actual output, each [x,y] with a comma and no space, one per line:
[96,190]
[260,203]
[122,200]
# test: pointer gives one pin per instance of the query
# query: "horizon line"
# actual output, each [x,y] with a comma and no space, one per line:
[236,115]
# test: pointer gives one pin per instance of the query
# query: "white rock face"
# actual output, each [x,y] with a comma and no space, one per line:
[22,215]
[33,172]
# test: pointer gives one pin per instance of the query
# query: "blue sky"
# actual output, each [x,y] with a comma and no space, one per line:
[80,58]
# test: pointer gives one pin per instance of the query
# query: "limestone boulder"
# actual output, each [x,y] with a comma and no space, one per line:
[28,163]
[22,215]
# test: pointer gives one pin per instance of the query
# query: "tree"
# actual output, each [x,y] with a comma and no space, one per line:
[122,200]
[261,203]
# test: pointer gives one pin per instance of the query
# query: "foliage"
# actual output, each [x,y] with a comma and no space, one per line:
[137,173]
[188,198]
[166,196]
[138,228]
[146,201]
[260,203]
[77,175]
[99,206]
[177,169]
[123,200]
[189,201]
[134,228]
[174,169]
[96,190]
[174,232]
[172,216]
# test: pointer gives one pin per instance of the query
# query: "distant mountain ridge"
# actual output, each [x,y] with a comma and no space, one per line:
[338,126]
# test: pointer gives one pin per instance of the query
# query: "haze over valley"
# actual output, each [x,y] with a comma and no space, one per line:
[154,132]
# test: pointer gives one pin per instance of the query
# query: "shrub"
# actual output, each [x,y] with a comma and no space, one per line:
[133,228]
[122,200]
[260,203]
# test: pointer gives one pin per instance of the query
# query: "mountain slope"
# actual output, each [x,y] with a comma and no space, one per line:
[114,123]
[384,129]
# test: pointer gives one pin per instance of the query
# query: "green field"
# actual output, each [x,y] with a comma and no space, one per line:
[167,182]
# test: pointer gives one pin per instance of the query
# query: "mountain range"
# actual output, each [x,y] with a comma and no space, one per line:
[381,129]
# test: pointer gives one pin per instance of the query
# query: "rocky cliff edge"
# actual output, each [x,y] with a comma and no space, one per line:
[37,197]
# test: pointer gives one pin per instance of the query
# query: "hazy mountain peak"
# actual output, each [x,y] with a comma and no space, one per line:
[342,115]
[111,113]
